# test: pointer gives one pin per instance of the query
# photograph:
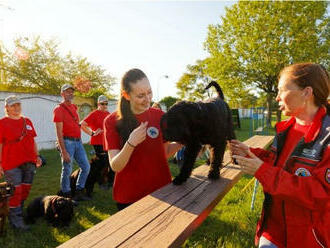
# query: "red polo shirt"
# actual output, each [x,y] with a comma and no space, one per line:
[14,152]
[71,127]
[95,121]
[147,169]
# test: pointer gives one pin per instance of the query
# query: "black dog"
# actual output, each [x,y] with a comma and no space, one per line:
[99,172]
[195,124]
[57,210]
[6,191]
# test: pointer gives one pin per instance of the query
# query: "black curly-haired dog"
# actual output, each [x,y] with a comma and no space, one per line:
[100,172]
[195,124]
[57,210]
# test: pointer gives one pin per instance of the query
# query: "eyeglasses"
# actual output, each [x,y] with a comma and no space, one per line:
[104,103]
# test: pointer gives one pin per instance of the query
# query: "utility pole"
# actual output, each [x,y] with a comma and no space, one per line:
[157,86]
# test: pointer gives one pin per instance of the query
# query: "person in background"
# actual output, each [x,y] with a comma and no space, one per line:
[18,157]
[295,174]
[156,105]
[93,126]
[134,142]
[68,134]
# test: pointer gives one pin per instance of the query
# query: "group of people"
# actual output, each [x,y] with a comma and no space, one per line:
[295,173]
[19,153]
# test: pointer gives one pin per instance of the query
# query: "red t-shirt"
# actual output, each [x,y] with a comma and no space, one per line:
[17,153]
[275,225]
[95,121]
[71,127]
[147,169]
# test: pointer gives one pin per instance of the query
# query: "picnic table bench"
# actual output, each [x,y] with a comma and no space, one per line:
[167,217]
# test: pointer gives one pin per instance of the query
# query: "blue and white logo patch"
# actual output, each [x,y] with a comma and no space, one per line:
[327,175]
[28,127]
[152,132]
[302,172]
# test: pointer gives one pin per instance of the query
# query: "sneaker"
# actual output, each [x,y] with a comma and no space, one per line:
[67,194]
[21,228]
[80,196]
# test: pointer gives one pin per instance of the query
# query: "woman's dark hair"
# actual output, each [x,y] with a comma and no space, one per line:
[126,121]
[312,75]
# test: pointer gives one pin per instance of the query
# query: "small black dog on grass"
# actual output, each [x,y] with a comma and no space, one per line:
[57,210]
[195,124]
[99,173]
[6,191]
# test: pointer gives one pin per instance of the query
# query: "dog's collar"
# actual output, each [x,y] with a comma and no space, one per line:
[52,204]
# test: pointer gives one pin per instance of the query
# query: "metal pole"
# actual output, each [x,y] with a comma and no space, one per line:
[256,183]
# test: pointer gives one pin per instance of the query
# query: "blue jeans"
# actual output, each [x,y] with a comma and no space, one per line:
[76,151]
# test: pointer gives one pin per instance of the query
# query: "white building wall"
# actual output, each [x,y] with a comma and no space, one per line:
[39,109]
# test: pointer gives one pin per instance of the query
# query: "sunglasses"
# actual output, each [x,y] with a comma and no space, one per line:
[104,103]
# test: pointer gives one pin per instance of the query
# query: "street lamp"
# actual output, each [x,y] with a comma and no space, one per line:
[157,86]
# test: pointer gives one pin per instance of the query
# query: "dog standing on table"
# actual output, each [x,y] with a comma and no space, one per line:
[195,124]
[6,191]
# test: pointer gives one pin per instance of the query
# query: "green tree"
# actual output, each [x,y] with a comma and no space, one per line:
[255,40]
[260,38]
[168,101]
[37,66]
[192,83]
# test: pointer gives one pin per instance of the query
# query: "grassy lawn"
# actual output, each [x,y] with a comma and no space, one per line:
[230,224]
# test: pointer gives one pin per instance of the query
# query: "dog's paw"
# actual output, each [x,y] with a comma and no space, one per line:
[179,180]
[214,175]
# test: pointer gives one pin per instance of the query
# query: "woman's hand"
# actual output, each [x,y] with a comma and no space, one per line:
[138,135]
[39,162]
[248,165]
[98,131]
[238,148]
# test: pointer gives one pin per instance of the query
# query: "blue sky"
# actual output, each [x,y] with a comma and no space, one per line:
[159,37]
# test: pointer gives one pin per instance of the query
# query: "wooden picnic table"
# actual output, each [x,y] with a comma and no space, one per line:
[167,217]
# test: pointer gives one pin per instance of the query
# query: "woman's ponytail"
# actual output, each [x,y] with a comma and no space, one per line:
[126,120]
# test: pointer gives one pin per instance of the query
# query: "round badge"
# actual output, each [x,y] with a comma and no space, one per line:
[327,175]
[152,132]
[28,127]
[302,172]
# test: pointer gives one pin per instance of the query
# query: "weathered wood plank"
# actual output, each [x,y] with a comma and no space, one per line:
[146,221]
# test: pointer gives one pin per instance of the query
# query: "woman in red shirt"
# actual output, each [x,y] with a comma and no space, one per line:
[19,157]
[134,142]
[93,124]
[295,174]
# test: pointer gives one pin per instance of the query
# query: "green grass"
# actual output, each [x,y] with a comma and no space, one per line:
[230,224]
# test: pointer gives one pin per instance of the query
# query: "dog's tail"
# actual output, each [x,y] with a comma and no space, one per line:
[217,87]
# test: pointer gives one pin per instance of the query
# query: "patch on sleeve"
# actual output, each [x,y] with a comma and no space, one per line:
[327,175]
